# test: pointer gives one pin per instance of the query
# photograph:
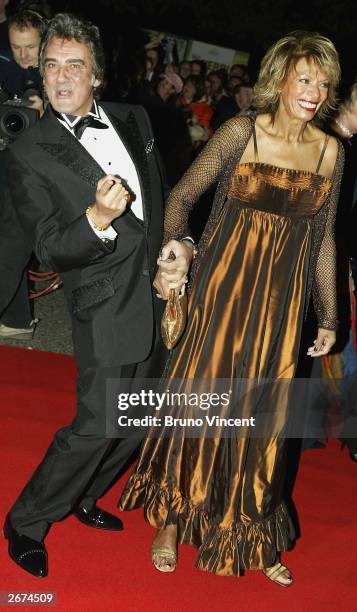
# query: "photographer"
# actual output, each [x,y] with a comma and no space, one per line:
[20,78]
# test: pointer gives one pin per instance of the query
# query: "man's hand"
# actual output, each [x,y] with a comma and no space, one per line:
[111,200]
[324,342]
[37,104]
[172,273]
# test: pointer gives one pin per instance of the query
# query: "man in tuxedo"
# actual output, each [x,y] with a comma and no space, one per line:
[102,234]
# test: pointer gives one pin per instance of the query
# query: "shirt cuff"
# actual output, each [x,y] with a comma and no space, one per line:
[108,234]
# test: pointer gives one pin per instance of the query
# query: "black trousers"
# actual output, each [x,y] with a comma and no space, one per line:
[18,313]
[81,463]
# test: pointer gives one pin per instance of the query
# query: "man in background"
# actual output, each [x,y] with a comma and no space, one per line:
[239,103]
[20,77]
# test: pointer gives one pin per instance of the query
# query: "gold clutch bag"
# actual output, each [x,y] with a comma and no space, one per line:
[173,320]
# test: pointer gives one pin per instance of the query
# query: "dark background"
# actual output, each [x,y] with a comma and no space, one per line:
[251,25]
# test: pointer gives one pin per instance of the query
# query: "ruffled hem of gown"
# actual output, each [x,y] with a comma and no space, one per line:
[223,551]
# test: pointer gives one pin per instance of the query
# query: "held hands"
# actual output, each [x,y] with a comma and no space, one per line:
[172,273]
[325,340]
[111,200]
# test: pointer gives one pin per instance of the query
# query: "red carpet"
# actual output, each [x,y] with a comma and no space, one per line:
[92,571]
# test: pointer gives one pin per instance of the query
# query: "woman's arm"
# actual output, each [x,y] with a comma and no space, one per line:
[324,287]
[205,170]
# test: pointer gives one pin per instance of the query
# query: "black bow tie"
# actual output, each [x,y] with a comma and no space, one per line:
[87,121]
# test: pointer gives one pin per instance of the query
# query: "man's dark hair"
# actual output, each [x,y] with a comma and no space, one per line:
[218,73]
[236,89]
[202,64]
[66,26]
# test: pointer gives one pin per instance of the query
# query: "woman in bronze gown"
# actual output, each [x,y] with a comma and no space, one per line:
[268,242]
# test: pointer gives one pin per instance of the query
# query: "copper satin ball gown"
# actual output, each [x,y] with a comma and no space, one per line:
[245,319]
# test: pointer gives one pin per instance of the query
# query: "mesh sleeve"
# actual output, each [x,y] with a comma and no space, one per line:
[324,286]
[205,170]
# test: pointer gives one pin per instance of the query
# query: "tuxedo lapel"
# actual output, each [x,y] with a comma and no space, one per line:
[58,142]
[129,133]
[67,150]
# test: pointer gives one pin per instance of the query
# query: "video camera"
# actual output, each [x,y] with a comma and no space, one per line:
[16,116]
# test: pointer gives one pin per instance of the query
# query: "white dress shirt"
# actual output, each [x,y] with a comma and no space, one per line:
[109,151]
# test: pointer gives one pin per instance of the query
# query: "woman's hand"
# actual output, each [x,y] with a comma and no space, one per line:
[172,273]
[324,342]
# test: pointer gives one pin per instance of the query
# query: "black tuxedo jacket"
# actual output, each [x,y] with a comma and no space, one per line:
[108,286]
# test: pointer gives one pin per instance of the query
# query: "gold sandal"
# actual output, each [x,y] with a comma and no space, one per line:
[280,574]
[164,558]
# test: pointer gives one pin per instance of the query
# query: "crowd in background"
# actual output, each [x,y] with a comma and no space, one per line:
[186,101]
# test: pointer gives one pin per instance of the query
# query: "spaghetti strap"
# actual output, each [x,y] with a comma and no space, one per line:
[322,154]
[256,159]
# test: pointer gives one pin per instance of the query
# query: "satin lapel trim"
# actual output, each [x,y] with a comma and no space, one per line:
[75,157]
[130,134]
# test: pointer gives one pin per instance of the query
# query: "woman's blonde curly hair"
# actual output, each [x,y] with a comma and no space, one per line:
[284,55]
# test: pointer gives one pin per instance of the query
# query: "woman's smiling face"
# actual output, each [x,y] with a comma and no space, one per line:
[304,91]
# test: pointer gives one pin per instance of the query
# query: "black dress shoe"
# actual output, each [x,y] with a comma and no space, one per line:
[99,519]
[29,554]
